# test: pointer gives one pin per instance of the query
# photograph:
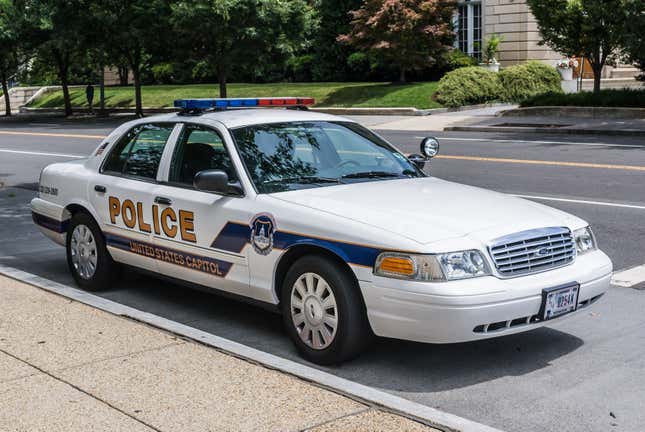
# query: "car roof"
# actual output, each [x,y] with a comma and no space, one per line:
[233,118]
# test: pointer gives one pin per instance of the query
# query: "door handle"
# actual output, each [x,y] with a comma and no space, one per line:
[163,200]
[100,188]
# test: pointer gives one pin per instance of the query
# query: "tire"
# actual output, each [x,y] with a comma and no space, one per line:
[88,259]
[308,315]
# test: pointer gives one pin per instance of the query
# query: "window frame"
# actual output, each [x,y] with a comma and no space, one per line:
[469,7]
[168,144]
[165,176]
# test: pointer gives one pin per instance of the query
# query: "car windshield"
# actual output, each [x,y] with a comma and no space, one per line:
[299,155]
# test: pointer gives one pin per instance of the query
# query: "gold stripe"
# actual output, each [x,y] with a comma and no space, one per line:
[543,162]
[47,134]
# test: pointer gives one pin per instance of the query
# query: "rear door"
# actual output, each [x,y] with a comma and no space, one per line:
[196,246]
[122,193]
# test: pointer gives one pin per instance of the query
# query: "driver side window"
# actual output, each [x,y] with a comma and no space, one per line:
[199,149]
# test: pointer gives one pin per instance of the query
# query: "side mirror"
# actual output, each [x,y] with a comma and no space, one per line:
[418,160]
[429,147]
[216,181]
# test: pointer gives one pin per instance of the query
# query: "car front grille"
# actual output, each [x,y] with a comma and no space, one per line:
[532,251]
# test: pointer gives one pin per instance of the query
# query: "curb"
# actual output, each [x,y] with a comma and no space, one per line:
[576,112]
[362,393]
[559,131]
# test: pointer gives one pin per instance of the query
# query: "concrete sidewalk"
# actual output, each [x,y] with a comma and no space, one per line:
[559,125]
[65,366]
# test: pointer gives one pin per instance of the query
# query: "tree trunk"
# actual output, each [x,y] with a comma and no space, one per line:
[136,75]
[62,63]
[123,75]
[401,74]
[5,91]
[221,76]
[597,75]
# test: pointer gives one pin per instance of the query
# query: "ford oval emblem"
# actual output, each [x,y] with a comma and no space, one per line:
[542,252]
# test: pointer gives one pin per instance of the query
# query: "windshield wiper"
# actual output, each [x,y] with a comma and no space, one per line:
[372,174]
[306,180]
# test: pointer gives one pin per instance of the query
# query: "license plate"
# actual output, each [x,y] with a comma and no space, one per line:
[560,300]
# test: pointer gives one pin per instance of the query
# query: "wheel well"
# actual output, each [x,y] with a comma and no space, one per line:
[73,209]
[296,252]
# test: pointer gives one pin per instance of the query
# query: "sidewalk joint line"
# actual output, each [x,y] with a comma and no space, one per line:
[351,414]
[59,379]
[115,357]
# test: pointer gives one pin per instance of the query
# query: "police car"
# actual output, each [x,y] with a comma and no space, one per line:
[321,218]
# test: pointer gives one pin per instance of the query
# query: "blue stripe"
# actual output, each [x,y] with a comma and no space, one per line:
[187,260]
[234,236]
[50,223]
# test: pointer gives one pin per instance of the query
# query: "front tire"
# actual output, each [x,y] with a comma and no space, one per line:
[323,311]
[87,257]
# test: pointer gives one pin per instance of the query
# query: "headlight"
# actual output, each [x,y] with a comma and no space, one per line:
[585,240]
[440,267]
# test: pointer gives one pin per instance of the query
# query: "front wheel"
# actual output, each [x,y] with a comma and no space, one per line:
[87,257]
[323,311]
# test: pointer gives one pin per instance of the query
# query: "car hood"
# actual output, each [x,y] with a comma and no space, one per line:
[430,209]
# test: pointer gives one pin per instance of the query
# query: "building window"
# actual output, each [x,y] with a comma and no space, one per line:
[468,24]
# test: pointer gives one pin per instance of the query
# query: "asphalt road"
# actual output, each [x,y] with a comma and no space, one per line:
[583,374]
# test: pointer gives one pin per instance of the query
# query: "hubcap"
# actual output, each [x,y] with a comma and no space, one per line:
[314,311]
[83,251]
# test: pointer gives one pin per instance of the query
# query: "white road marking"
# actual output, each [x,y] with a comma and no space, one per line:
[630,277]
[533,142]
[34,153]
[599,203]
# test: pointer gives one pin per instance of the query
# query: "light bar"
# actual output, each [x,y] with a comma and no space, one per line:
[242,102]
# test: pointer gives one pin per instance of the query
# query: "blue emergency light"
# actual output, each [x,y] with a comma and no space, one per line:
[223,103]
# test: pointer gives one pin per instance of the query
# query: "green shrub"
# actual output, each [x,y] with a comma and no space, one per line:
[456,59]
[522,81]
[468,86]
[625,98]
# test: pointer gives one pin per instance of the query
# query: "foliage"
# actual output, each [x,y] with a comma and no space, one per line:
[593,29]
[299,68]
[239,34]
[633,37]
[412,34]
[456,59]
[491,48]
[468,86]
[133,31]
[9,48]
[331,57]
[529,79]
[326,94]
[630,98]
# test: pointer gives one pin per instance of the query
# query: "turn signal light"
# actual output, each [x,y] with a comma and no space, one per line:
[397,265]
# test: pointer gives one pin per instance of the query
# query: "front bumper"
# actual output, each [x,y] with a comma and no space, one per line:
[478,308]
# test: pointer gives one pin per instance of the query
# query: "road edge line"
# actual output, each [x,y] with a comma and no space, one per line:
[395,404]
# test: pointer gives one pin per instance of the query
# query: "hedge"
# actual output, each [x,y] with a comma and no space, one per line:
[468,86]
[523,81]
[630,98]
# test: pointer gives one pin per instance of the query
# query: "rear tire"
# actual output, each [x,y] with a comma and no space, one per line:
[88,260]
[323,311]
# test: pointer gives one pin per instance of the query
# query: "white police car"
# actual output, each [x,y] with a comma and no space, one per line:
[319,216]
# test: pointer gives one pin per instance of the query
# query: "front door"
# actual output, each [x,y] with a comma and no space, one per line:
[195,219]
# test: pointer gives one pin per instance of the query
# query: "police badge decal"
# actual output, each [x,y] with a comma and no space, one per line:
[262,230]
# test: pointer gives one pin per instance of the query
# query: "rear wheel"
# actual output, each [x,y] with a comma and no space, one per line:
[323,311]
[87,257]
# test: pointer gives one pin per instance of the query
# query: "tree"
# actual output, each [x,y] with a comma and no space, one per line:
[633,38]
[9,46]
[54,29]
[330,56]
[412,34]
[590,28]
[237,34]
[133,31]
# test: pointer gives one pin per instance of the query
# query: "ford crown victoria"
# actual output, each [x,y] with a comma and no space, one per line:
[321,218]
